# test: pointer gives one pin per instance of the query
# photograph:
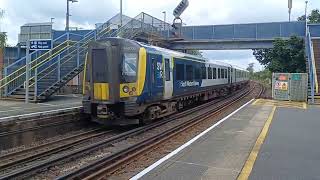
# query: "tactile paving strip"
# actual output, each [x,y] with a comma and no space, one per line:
[286,104]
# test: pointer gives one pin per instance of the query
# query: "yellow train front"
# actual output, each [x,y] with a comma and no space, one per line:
[126,82]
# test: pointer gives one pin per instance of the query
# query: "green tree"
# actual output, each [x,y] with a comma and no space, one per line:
[314,17]
[3,39]
[286,56]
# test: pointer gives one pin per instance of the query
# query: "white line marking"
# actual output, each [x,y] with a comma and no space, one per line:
[38,113]
[47,104]
[154,165]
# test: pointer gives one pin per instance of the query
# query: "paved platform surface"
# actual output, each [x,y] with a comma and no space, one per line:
[221,153]
[291,149]
[15,108]
[288,150]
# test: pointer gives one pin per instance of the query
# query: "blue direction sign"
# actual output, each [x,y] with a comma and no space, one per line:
[40,44]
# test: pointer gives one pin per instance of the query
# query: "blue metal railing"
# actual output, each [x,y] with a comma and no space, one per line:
[310,56]
[253,31]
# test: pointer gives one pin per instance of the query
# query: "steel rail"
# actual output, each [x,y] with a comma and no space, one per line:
[111,162]
[26,157]
[31,169]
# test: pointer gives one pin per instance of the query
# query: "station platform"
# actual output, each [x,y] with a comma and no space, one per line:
[16,109]
[263,139]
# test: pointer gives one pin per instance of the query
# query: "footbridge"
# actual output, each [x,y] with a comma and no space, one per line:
[51,70]
[240,36]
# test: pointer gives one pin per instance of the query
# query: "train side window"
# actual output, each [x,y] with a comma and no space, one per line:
[167,68]
[180,72]
[214,73]
[209,73]
[219,73]
[225,73]
[203,73]
[189,71]
[222,73]
[197,72]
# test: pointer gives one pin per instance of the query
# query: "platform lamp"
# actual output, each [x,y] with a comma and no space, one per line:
[68,13]
[289,8]
[164,19]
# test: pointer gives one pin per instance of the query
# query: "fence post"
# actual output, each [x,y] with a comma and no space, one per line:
[35,84]
[5,82]
[78,63]
[59,71]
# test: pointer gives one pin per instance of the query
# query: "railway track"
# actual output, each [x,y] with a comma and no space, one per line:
[34,155]
[116,157]
[111,163]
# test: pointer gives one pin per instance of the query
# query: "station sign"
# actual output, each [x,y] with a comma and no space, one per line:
[40,44]
[180,8]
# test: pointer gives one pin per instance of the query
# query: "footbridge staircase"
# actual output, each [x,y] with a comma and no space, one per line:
[51,70]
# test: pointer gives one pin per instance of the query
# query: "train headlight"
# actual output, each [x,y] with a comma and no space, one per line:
[125,89]
[134,89]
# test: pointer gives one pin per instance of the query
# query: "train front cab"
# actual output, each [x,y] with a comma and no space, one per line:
[114,73]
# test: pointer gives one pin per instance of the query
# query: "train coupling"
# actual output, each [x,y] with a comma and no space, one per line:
[103,112]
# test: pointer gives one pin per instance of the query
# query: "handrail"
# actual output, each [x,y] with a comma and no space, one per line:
[13,80]
[311,63]
[314,70]
[19,60]
[31,68]
[11,74]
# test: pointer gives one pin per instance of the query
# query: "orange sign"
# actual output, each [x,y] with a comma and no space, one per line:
[282,78]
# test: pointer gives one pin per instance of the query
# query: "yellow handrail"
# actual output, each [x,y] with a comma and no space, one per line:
[32,62]
[38,64]
[23,67]
[315,73]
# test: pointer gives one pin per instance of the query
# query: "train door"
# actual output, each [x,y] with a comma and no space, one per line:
[157,75]
[168,78]
[229,76]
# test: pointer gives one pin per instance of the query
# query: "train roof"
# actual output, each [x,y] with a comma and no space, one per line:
[172,52]
[177,54]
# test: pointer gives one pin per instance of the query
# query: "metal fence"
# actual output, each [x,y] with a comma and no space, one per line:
[290,86]
[254,31]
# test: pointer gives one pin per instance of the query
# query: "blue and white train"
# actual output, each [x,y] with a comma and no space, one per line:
[128,82]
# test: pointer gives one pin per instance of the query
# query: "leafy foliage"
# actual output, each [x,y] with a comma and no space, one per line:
[287,56]
[3,40]
[262,76]
[314,17]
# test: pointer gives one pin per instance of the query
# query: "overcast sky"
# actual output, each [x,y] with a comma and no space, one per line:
[86,13]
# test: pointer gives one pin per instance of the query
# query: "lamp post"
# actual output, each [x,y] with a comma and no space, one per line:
[51,20]
[305,15]
[164,19]
[68,13]
[289,8]
[120,13]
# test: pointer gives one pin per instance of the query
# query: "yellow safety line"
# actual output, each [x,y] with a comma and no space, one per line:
[248,166]
[304,105]
[255,102]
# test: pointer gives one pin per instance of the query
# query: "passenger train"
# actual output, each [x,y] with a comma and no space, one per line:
[128,82]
